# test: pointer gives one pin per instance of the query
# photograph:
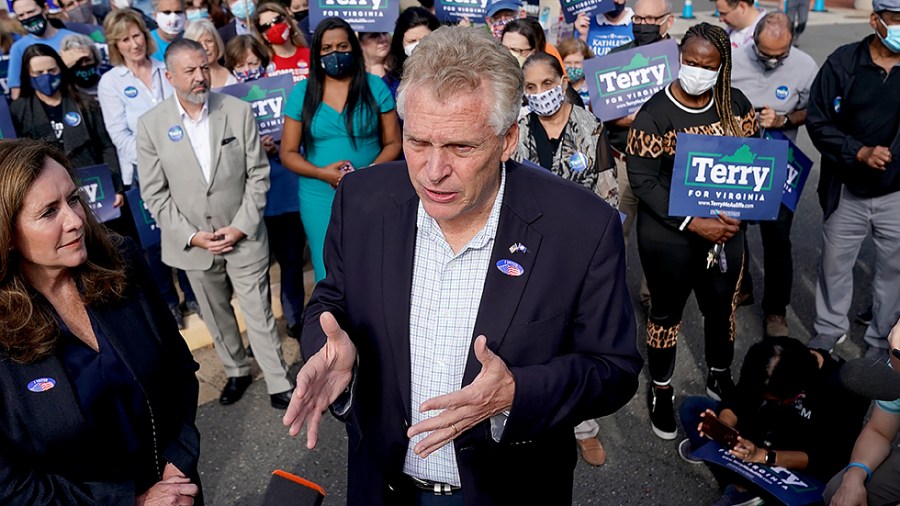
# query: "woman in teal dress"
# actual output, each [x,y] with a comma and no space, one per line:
[339,115]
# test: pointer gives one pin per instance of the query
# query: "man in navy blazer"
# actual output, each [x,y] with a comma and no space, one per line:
[474,310]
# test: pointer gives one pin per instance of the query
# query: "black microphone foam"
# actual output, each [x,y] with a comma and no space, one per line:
[286,489]
[871,378]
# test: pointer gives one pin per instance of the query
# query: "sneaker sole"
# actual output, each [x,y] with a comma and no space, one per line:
[756,501]
[668,436]
[685,457]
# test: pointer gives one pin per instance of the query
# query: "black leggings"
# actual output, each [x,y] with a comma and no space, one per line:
[674,263]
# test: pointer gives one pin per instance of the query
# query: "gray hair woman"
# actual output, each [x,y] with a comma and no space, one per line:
[205,33]
[82,56]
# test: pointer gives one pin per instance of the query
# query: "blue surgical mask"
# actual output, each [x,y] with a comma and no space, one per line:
[575,74]
[338,63]
[240,9]
[892,41]
[250,75]
[197,14]
[48,84]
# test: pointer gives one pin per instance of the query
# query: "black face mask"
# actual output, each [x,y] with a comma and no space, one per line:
[299,16]
[646,34]
[86,76]
[35,25]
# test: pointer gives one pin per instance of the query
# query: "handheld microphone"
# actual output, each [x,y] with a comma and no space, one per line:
[286,489]
[870,378]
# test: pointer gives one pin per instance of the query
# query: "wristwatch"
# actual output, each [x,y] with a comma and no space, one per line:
[787,122]
[770,458]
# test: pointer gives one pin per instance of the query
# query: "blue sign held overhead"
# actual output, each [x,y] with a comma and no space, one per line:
[453,11]
[571,8]
[96,185]
[620,83]
[266,97]
[363,15]
[798,168]
[740,177]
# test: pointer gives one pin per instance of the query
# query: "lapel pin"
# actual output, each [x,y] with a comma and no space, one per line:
[517,246]
[41,384]
[510,268]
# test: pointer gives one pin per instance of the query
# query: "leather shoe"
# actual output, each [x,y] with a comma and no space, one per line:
[281,401]
[592,451]
[234,389]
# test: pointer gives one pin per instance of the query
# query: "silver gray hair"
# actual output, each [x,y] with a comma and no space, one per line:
[203,27]
[452,59]
[78,41]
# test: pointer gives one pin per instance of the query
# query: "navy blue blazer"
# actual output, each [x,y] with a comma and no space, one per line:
[565,328]
[47,453]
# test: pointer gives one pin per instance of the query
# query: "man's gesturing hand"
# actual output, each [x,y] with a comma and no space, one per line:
[321,380]
[491,393]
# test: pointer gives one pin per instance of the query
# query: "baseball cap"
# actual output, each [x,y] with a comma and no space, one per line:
[886,5]
[493,7]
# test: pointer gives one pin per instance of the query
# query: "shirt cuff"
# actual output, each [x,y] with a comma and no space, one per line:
[685,223]
[191,238]
[341,406]
[498,425]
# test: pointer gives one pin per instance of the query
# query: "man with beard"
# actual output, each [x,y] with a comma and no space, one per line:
[204,176]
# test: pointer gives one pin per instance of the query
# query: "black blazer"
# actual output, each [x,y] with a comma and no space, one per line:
[86,143]
[565,328]
[48,455]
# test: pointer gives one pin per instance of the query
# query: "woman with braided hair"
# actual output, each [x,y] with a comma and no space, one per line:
[674,250]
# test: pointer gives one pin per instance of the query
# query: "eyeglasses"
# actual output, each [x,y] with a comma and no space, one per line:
[263,27]
[780,57]
[649,20]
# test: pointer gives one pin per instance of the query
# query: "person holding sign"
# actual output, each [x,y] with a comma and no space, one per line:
[776,78]
[344,118]
[605,31]
[287,45]
[852,119]
[684,255]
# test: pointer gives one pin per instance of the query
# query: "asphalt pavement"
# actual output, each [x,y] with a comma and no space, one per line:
[242,443]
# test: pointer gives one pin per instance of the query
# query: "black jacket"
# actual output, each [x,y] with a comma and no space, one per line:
[48,455]
[827,123]
[85,143]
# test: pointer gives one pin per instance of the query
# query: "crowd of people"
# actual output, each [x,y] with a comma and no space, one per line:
[422,333]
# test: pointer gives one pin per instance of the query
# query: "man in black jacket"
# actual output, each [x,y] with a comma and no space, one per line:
[853,120]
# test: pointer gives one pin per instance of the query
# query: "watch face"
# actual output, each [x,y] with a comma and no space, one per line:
[770,458]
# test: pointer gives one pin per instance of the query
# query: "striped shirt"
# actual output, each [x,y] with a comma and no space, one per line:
[446,294]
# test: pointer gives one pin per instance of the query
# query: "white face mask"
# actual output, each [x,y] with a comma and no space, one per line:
[409,48]
[548,102]
[122,4]
[696,81]
[172,24]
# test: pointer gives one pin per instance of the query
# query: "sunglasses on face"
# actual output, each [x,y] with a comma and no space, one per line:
[265,26]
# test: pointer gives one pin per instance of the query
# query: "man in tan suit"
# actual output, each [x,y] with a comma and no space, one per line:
[204,176]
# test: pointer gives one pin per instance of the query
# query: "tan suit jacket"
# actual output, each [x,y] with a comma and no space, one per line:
[182,202]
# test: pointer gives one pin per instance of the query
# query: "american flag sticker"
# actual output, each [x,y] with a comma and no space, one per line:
[510,268]
[41,384]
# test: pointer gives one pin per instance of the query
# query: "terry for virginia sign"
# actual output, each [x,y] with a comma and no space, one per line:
[738,176]
[620,83]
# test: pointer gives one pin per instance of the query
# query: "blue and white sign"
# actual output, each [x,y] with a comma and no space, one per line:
[148,231]
[267,98]
[571,8]
[7,130]
[96,185]
[363,15]
[798,168]
[737,176]
[790,487]
[620,83]
[453,11]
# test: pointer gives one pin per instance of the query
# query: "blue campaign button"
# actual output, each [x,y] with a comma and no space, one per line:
[176,133]
[578,162]
[73,119]
[510,268]
[41,384]
[131,92]
[781,92]
[837,104]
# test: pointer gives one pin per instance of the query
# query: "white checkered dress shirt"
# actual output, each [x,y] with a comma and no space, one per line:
[446,293]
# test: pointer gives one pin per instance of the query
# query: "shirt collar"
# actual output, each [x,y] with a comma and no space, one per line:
[185,116]
[433,231]
[157,66]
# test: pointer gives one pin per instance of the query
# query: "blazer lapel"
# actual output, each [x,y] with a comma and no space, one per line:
[502,292]
[398,249]
[182,151]
[119,323]
[218,120]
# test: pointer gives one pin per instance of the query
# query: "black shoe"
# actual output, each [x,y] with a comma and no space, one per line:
[176,313]
[191,306]
[719,384]
[864,317]
[234,389]
[661,403]
[281,401]
[295,330]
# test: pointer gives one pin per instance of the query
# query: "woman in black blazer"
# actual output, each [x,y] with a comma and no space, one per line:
[98,393]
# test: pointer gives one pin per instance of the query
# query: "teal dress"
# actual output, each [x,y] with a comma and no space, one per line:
[330,142]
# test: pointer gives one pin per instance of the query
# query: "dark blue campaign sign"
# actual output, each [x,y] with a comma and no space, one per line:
[267,98]
[363,15]
[620,83]
[740,177]
[453,11]
[571,8]
[148,230]
[96,185]
[790,487]
[7,131]
[798,168]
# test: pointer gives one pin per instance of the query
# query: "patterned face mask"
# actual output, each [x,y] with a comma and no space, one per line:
[548,102]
